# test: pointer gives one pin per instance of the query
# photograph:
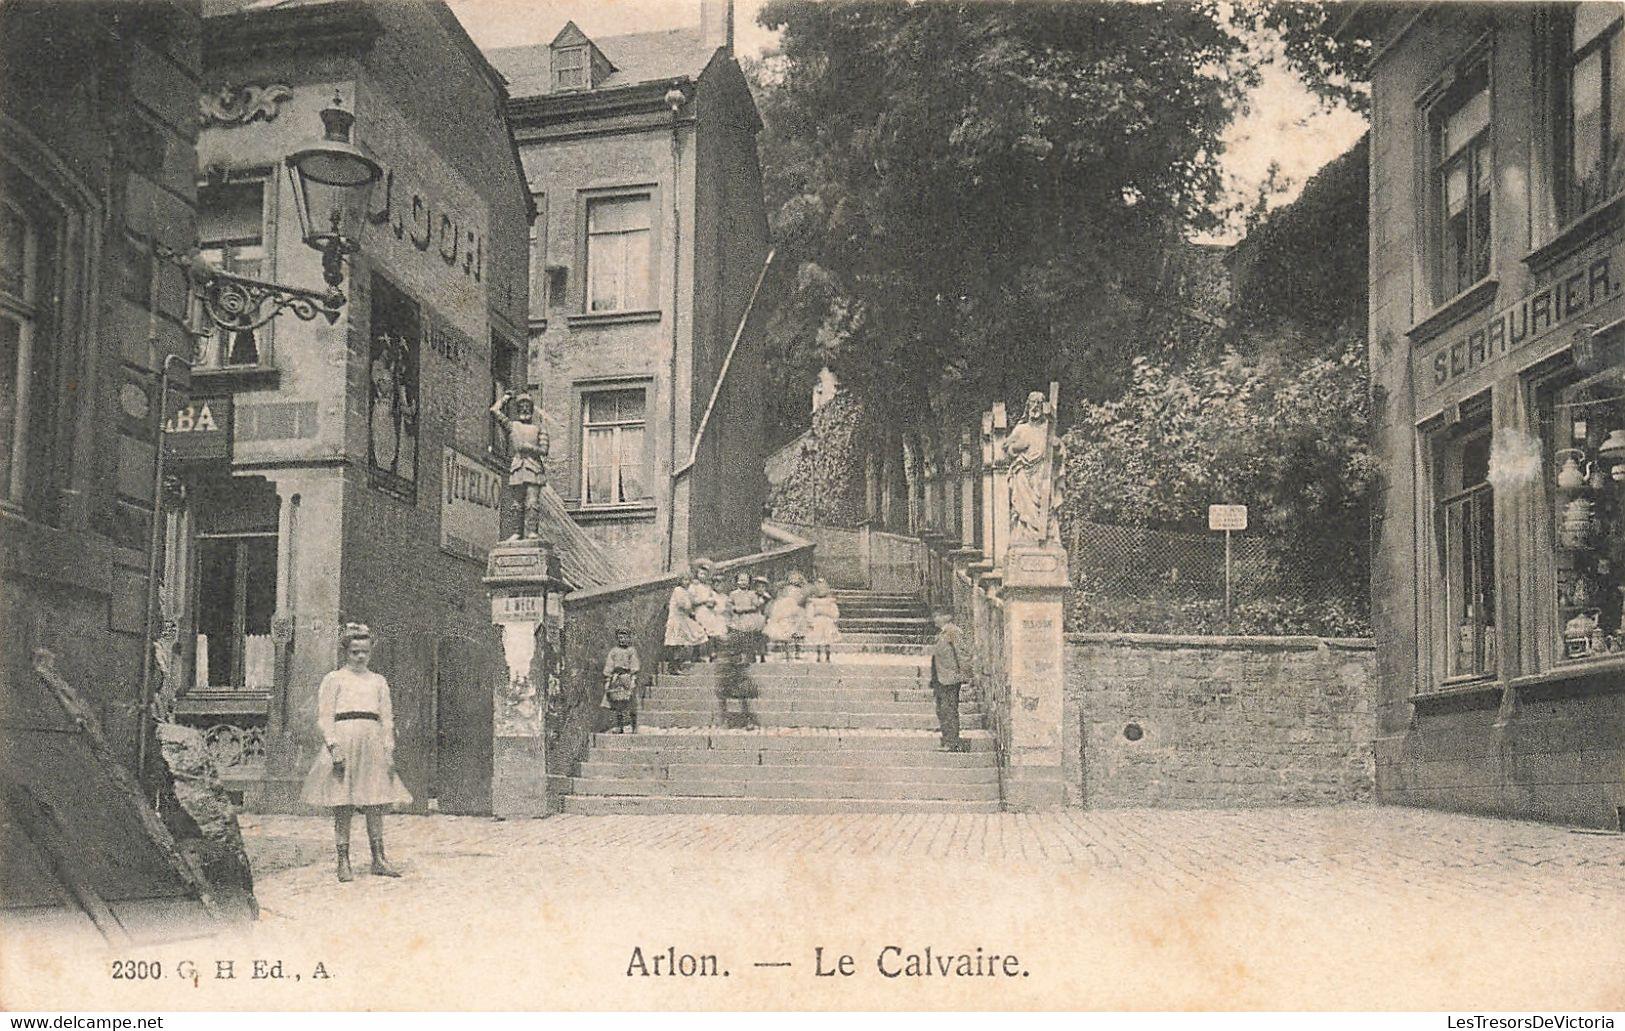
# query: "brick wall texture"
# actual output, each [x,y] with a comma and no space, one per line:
[1189,722]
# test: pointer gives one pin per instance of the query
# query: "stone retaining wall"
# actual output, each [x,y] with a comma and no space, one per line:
[1154,720]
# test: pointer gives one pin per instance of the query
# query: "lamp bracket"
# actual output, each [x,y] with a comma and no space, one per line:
[243,304]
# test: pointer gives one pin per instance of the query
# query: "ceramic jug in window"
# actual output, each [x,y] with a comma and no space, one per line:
[1571,476]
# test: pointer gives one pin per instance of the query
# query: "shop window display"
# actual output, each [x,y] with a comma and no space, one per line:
[1464,539]
[1583,418]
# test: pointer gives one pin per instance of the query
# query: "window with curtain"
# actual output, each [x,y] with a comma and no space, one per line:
[1462,180]
[619,234]
[613,470]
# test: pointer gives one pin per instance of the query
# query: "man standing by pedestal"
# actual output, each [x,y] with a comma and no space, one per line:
[950,666]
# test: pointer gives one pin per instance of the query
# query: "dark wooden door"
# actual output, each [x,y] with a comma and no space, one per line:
[462,728]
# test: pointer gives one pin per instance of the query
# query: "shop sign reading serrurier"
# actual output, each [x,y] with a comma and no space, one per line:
[470,506]
[1563,302]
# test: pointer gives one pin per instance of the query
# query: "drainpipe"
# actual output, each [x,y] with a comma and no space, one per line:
[674,101]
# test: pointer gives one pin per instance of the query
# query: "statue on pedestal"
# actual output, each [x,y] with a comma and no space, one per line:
[528,445]
[1032,448]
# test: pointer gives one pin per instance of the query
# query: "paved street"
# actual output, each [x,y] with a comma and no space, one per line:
[1358,907]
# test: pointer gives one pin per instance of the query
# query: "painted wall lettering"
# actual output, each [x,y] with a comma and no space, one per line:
[459,246]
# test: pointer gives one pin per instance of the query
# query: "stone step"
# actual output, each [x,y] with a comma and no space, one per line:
[811,788]
[600,805]
[872,637]
[780,706]
[718,741]
[845,694]
[850,594]
[832,759]
[807,674]
[884,622]
[712,717]
[823,765]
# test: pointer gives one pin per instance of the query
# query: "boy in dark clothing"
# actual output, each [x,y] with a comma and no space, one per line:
[621,669]
[950,668]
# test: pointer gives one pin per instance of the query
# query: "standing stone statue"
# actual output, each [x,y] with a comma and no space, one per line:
[527,444]
[1031,448]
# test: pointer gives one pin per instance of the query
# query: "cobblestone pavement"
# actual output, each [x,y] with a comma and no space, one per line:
[1350,907]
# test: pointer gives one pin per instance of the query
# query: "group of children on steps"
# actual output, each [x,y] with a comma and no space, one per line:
[703,621]
[701,616]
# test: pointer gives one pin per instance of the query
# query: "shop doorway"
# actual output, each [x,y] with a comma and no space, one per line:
[462,728]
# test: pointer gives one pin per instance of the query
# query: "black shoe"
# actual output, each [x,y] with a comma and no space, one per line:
[380,865]
[345,873]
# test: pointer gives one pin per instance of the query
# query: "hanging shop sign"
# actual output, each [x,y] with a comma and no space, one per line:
[1567,301]
[198,430]
[470,506]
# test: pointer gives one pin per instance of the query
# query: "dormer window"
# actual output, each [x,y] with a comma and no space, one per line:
[570,68]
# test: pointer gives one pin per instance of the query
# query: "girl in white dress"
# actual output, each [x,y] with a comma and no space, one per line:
[683,632]
[356,768]
[823,617]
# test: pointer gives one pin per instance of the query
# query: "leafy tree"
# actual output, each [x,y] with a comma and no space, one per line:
[1327,44]
[983,194]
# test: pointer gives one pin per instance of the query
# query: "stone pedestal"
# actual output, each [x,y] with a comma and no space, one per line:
[522,576]
[1034,588]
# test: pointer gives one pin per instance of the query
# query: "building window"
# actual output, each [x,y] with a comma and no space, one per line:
[570,68]
[1593,53]
[613,464]
[505,372]
[538,260]
[1464,550]
[1461,180]
[232,237]
[235,570]
[619,271]
[1583,430]
[28,261]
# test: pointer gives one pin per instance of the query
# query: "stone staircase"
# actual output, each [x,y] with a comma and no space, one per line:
[858,734]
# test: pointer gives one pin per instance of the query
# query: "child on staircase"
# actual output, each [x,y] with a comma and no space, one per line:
[708,610]
[683,633]
[745,619]
[787,619]
[823,618]
[621,668]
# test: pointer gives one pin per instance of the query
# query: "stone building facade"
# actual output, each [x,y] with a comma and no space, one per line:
[87,317]
[355,473]
[1497,344]
[649,245]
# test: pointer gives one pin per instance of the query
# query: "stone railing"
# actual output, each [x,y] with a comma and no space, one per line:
[591,618]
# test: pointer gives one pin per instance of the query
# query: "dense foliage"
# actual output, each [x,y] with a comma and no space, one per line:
[982,193]
[826,486]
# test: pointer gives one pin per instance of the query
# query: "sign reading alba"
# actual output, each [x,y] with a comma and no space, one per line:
[199,430]
[470,506]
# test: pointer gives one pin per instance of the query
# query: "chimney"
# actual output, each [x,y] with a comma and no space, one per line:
[717,24]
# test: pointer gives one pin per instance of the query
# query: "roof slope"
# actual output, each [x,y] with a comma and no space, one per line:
[637,57]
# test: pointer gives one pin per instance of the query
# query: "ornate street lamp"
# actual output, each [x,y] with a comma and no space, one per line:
[332,185]
[332,188]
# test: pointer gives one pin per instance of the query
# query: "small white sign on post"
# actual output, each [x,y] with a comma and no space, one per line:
[517,607]
[1228,518]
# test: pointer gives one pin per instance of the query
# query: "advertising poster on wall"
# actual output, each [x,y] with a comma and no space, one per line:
[392,400]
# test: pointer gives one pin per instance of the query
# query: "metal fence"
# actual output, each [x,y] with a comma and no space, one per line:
[1138,580]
